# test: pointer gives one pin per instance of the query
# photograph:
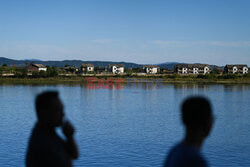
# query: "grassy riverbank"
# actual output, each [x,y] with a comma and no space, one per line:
[126,79]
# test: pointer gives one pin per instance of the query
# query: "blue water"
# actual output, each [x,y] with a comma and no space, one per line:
[133,126]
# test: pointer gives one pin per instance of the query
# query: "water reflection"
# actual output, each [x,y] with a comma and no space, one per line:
[114,126]
[133,83]
[240,88]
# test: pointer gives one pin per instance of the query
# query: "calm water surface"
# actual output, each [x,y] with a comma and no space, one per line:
[134,126]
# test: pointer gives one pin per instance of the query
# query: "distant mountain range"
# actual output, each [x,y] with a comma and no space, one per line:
[77,63]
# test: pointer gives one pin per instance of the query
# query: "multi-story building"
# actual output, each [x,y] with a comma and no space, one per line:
[150,69]
[36,68]
[236,69]
[87,67]
[192,69]
[116,68]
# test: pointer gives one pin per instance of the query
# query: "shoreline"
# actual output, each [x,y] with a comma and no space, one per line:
[127,79]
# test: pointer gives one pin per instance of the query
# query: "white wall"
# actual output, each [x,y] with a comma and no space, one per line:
[245,70]
[90,68]
[184,70]
[42,69]
[151,70]
[195,70]
[235,69]
[117,70]
[206,70]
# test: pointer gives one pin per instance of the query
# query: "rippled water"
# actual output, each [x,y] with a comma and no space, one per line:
[133,126]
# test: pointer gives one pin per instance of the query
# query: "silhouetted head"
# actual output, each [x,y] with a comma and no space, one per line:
[197,115]
[49,109]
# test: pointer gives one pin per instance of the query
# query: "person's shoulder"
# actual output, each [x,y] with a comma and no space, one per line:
[39,135]
[173,154]
[44,140]
[178,148]
[193,155]
[183,155]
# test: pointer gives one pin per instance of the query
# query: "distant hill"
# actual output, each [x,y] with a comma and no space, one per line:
[77,63]
[168,65]
[32,60]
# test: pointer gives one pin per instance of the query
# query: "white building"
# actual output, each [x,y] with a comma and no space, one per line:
[116,68]
[87,68]
[151,69]
[236,69]
[37,67]
[192,69]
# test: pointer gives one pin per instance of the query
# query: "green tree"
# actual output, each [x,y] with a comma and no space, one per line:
[229,76]
[128,71]
[22,73]
[52,71]
[1,71]
[137,70]
[246,75]
[35,74]
[215,70]
[42,73]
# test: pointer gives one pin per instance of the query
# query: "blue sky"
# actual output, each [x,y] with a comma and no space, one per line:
[140,31]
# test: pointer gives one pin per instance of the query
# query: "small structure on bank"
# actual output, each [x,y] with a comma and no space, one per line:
[101,70]
[192,69]
[85,68]
[71,69]
[116,68]
[36,68]
[151,69]
[166,71]
[236,69]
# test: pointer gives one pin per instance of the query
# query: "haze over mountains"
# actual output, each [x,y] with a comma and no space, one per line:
[77,63]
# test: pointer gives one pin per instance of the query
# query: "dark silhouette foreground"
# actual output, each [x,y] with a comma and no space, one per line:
[197,118]
[46,148]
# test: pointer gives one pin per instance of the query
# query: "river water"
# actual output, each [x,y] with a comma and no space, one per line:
[135,125]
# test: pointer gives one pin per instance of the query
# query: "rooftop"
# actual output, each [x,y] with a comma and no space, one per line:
[39,65]
[87,65]
[235,65]
[150,66]
[117,65]
[191,65]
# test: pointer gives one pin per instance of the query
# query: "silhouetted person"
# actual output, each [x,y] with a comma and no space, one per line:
[46,148]
[198,119]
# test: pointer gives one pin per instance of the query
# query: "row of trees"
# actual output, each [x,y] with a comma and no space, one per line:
[54,71]
[23,72]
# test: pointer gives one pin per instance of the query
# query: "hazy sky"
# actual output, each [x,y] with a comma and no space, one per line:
[140,31]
